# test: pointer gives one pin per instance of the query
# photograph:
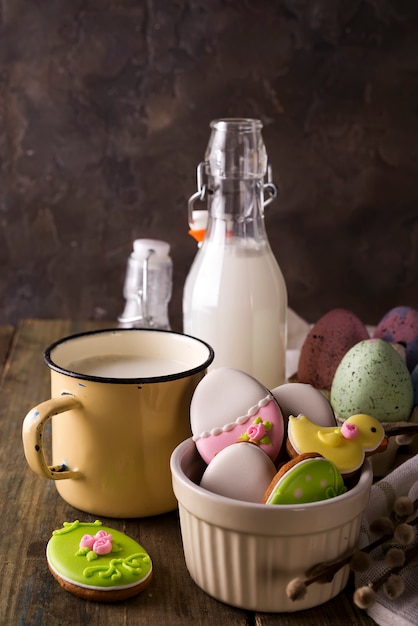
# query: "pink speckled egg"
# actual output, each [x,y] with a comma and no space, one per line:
[400,325]
[326,344]
[229,406]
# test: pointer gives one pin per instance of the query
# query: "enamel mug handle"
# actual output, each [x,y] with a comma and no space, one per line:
[33,437]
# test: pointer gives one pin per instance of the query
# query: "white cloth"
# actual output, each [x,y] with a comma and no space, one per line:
[297,329]
[404,610]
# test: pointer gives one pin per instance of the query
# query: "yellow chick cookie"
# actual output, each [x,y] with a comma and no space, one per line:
[361,435]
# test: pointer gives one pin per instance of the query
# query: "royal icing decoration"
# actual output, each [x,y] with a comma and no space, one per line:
[349,431]
[229,407]
[266,430]
[310,480]
[119,561]
[347,447]
[242,419]
[98,545]
[257,432]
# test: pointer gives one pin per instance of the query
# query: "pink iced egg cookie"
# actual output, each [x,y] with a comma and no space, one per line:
[229,406]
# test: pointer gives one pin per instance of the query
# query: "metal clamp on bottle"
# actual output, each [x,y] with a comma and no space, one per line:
[198,218]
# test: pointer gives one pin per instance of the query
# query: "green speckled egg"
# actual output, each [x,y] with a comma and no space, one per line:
[372,378]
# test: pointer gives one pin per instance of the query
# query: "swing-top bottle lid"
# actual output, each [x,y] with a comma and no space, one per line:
[142,248]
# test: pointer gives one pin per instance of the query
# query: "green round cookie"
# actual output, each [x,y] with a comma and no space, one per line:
[98,563]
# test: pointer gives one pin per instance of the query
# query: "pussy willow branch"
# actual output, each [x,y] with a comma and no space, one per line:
[407,429]
[326,571]
[410,554]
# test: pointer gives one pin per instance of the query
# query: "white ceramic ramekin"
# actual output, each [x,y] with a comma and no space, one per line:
[245,554]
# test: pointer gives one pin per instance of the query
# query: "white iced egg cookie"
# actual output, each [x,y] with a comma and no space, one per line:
[229,406]
[241,471]
[296,398]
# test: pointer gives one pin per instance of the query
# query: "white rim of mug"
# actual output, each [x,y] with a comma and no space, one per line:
[126,381]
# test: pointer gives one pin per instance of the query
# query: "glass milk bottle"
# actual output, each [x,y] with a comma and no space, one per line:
[235,296]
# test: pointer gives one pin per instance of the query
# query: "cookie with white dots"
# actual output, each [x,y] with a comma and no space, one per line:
[308,477]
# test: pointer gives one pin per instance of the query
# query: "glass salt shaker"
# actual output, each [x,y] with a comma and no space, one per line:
[148,285]
[235,296]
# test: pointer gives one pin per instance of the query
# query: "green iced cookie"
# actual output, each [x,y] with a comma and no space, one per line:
[307,480]
[98,563]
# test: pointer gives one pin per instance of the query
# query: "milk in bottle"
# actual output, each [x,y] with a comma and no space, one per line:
[235,295]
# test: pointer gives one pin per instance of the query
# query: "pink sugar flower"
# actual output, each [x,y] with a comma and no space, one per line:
[103,545]
[256,431]
[87,541]
[102,534]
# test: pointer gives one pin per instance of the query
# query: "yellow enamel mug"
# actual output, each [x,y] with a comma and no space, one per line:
[119,406]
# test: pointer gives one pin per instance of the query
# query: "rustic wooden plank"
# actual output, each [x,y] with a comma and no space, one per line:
[6,336]
[31,509]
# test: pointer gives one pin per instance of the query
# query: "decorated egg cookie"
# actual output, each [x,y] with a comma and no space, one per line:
[98,563]
[241,471]
[359,436]
[295,398]
[229,406]
[307,478]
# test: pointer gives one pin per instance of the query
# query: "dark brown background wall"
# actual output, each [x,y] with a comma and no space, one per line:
[105,109]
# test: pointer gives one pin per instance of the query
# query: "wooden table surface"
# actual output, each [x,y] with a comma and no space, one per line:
[31,508]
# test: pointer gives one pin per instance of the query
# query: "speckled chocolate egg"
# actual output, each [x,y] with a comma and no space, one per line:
[326,344]
[372,378]
[401,325]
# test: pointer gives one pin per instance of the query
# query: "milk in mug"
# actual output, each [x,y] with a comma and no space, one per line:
[126,366]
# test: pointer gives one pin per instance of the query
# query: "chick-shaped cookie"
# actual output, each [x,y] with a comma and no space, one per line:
[361,435]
